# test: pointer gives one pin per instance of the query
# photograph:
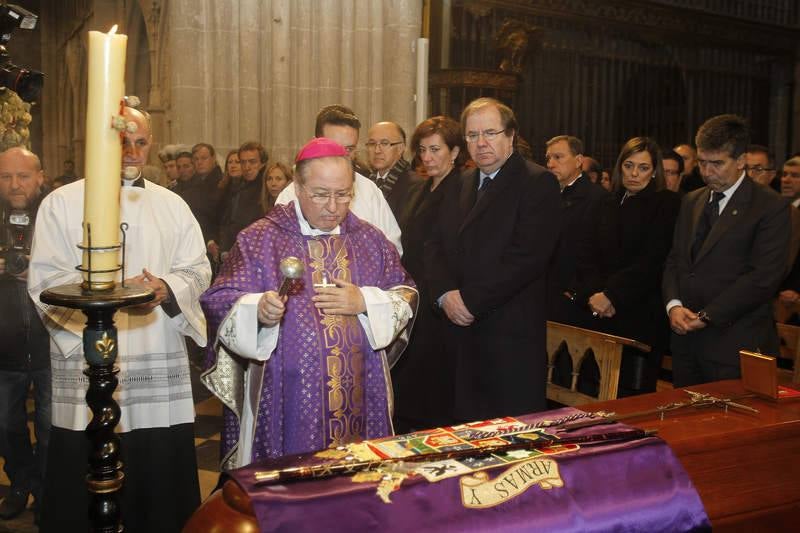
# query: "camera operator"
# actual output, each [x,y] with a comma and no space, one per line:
[24,341]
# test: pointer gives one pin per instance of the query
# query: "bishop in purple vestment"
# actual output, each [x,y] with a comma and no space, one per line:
[308,370]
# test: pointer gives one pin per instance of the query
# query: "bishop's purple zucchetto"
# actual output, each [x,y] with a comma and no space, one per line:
[320,147]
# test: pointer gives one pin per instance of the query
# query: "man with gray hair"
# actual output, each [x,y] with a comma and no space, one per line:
[313,360]
[24,346]
[339,123]
[790,180]
[586,250]
[486,264]
[730,251]
[168,156]
[390,171]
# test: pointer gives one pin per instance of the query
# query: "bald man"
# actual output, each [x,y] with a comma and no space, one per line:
[24,356]
[391,173]
[165,251]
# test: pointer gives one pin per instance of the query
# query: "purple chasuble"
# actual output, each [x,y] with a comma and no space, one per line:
[323,385]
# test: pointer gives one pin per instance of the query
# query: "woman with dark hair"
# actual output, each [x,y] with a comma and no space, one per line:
[423,378]
[233,170]
[630,305]
[231,175]
[276,178]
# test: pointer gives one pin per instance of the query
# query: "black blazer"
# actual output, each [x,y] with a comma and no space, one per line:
[586,251]
[423,378]
[398,196]
[204,199]
[417,217]
[646,225]
[496,252]
[735,274]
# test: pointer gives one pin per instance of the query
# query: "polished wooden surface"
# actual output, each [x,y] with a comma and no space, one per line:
[745,466]
[225,511]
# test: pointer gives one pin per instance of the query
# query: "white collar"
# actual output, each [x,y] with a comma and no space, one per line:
[732,189]
[573,181]
[305,227]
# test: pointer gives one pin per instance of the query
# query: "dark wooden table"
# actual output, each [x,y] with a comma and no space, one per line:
[745,466]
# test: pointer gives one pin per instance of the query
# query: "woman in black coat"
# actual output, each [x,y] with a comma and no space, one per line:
[630,304]
[423,378]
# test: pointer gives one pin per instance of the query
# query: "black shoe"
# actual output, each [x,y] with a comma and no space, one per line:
[13,504]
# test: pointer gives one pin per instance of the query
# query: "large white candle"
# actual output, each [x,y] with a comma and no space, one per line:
[103,152]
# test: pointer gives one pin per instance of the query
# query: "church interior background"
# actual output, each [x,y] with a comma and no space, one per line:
[227,71]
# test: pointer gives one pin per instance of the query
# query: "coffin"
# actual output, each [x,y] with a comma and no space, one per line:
[744,465]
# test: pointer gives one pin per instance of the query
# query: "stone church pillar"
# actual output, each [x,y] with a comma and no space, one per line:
[260,69]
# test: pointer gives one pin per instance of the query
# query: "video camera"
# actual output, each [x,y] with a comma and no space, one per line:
[25,82]
[16,233]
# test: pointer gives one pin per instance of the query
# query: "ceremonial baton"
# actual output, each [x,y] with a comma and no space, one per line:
[351,465]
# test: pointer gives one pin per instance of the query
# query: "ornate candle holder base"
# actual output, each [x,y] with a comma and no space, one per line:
[105,476]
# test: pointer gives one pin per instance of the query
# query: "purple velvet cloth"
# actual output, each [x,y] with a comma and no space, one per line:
[630,486]
[323,384]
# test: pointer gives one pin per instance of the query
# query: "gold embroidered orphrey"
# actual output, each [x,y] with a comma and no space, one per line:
[341,336]
[105,346]
[480,492]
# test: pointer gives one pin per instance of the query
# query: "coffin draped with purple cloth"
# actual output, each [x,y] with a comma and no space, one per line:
[636,485]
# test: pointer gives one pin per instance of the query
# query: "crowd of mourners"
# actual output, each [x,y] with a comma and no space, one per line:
[427,286]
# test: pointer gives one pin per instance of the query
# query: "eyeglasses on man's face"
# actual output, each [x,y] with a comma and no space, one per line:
[324,197]
[384,144]
[489,135]
[757,169]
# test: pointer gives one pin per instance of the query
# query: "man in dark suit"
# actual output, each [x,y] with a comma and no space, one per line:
[199,189]
[587,247]
[390,172]
[486,265]
[729,253]
[691,179]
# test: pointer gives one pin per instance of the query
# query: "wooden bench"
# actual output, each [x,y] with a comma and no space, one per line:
[579,342]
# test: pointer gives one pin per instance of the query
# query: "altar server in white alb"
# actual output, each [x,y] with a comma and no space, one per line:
[166,252]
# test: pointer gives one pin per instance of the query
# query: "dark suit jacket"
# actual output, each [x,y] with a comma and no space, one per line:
[399,194]
[792,281]
[496,252]
[423,378]
[646,225]
[693,181]
[204,199]
[586,251]
[735,274]
[241,207]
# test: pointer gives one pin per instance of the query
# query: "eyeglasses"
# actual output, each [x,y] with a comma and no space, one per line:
[758,169]
[489,135]
[323,198]
[384,144]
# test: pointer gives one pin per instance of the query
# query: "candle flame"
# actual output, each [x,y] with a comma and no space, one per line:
[113,30]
